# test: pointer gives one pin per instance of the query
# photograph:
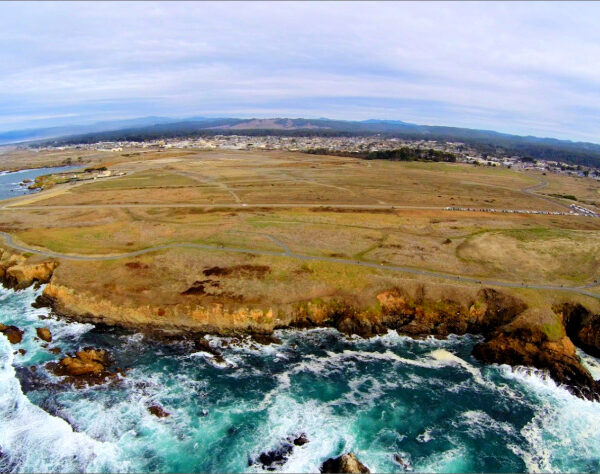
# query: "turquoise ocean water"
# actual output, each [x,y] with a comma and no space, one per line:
[428,402]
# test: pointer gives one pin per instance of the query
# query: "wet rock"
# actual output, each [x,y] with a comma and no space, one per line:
[158,411]
[346,463]
[266,339]
[87,361]
[276,458]
[272,460]
[301,440]
[55,350]
[22,352]
[44,334]
[87,366]
[42,302]
[203,345]
[13,333]
[404,463]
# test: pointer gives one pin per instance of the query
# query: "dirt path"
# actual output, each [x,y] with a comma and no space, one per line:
[289,254]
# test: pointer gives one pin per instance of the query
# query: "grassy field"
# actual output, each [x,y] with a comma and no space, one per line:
[536,249]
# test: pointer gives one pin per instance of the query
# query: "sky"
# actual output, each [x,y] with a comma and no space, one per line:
[516,67]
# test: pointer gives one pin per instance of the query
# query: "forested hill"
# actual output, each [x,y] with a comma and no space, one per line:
[485,141]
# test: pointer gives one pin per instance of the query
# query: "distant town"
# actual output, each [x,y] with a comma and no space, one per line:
[361,144]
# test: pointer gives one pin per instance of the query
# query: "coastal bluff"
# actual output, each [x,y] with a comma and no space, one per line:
[514,332]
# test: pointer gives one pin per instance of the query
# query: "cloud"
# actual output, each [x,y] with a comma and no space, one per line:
[518,67]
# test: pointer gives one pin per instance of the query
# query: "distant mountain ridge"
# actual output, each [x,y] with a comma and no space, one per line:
[486,141]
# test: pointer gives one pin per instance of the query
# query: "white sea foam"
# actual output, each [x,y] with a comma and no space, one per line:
[35,441]
[564,434]
[591,363]
[214,360]
[452,460]
[426,436]
[327,433]
[479,422]
[443,355]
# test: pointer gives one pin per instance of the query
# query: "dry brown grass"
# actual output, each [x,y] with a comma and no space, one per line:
[515,247]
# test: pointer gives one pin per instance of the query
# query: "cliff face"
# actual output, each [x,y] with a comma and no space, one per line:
[214,319]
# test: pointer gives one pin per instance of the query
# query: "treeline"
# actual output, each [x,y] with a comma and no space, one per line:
[398,154]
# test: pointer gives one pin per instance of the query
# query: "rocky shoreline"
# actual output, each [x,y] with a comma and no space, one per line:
[514,334]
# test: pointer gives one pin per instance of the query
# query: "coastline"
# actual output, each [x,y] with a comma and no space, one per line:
[505,321]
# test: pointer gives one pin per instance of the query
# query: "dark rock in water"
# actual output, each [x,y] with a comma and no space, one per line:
[55,350]
[203,345]
[44,334]
[346,463]
[274,459]
[266,339]
[42,302]
[271,460]
[31,380]
[158,411]
[22,352]
[13,333]
[301,440]
[405,463]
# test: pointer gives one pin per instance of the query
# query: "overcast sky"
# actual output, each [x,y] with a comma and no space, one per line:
[526,68]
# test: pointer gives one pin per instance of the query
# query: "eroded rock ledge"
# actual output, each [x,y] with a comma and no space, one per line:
[18,272]
[543,338]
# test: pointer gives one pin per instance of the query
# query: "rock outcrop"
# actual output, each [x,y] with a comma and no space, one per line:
[13,333]
[346,463]
[44,334]
[158,411]
[273,459]
[17,271]
[214,318]
[86,367]
[531,347]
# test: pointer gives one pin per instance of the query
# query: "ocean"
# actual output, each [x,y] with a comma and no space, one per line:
[399,404]
[10,183]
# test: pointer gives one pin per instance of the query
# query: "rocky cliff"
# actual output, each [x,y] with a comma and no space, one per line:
[17,271]
[514,334]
